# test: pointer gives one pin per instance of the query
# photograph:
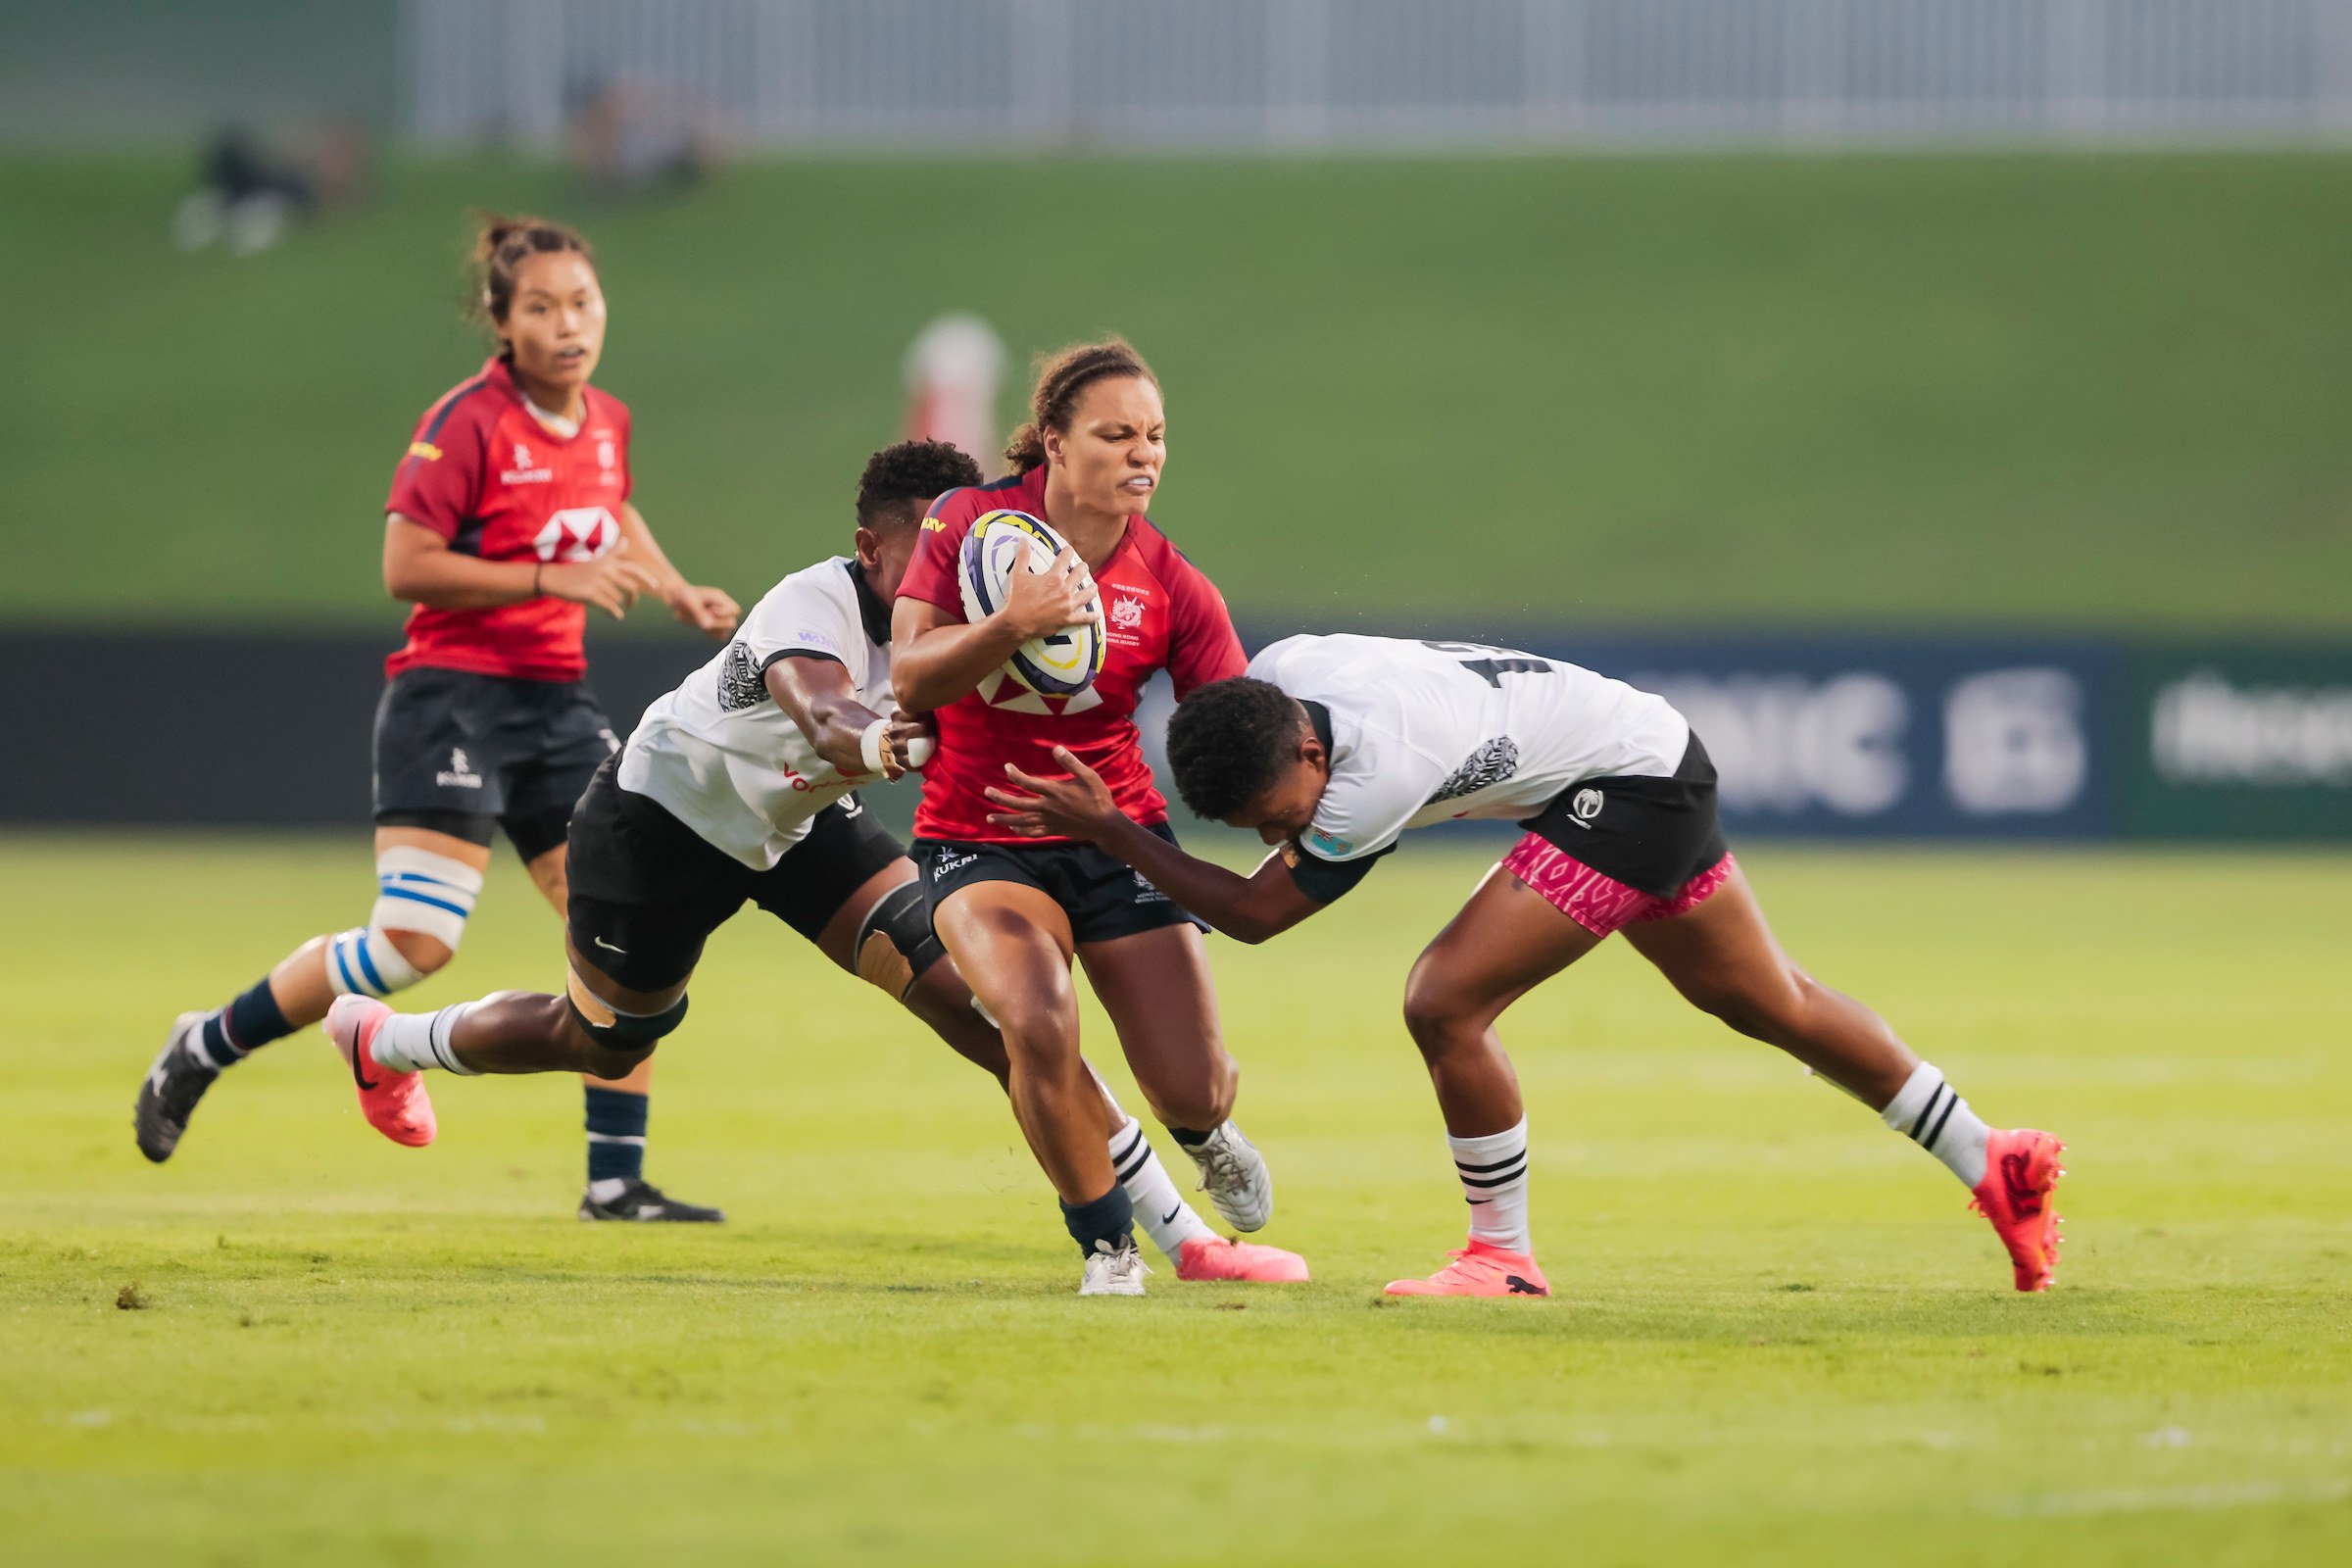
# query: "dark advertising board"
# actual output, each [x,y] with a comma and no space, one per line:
[2235,743]
[1989,739]
[1855,738]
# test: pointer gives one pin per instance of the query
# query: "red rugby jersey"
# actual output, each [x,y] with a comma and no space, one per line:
[486,476]
[1159,613]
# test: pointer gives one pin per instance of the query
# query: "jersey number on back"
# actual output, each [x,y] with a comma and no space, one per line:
[1490,664]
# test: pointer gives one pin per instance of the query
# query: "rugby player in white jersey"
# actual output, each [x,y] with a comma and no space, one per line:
[739,785]
[1328,748]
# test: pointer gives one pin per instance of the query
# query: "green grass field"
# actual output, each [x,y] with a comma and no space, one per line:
[2068,391]
[1777,1338]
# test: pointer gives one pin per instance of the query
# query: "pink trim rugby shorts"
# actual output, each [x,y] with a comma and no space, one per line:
[1599,903]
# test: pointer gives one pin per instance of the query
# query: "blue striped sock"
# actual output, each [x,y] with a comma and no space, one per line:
[247,1024]
[616,1134]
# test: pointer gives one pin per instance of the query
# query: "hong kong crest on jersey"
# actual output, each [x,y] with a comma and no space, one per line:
[1126,614]
[1491,763]
[739,683]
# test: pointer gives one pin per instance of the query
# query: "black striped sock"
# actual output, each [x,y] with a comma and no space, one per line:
[1492,1170]
[1929,1112]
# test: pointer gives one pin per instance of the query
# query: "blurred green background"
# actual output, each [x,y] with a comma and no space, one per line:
[2042,390]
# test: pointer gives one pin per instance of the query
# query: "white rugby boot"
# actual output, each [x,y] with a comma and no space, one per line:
[1113,1271]
[1234,1175]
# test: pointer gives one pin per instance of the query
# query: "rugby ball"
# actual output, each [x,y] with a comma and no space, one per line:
[1000,544]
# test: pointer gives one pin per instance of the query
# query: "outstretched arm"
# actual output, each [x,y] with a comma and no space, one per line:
[818,696]
[1249,909]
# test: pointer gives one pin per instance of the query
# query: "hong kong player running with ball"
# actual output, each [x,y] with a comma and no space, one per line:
[508,515]
[1331,747]
[738,786]
[1014,911]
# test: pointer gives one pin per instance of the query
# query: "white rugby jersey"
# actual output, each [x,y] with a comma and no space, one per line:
[1425,732]
[722,758]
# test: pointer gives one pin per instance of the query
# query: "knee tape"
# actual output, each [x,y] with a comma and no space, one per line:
[896,943]
[362,962]
[416,891]
[607,1025]
[425,892]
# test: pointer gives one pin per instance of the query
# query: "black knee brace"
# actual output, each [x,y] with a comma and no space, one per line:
[609,1026]
[896,943]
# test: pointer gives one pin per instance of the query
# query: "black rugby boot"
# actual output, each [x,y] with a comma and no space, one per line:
[168,1095]
[642,1200]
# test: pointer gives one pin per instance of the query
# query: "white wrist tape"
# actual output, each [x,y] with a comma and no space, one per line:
[870,745]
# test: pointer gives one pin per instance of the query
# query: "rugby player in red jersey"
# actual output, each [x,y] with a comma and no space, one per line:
[739,786]
[508,515]
[1014,911]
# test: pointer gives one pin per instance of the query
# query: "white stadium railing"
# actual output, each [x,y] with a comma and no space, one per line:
[999,75]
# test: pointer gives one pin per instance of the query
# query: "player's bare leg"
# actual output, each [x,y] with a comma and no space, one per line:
[521,1032]
[377,959]
[938,996]
[1507,941]
[1724,960]
[941,999]
[1013,946]
[1011,943]
[1157,989]
[1723,957]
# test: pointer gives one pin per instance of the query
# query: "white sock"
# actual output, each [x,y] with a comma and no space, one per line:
[1160,1211]
[1932,1115]
[418,1042]
[1493,1173]
[608,1188]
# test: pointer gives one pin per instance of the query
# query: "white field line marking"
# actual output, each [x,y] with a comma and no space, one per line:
[2152,1500]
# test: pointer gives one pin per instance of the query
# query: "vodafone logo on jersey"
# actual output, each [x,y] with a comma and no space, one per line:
[577,533]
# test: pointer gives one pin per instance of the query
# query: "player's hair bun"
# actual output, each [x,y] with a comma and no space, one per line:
[500,244]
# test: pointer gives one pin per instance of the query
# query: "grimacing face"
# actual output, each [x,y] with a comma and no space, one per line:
[555,324]
[1116,446]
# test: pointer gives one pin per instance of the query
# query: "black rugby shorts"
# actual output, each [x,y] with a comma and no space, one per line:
[1104,896]
[463,754]
[647,891]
